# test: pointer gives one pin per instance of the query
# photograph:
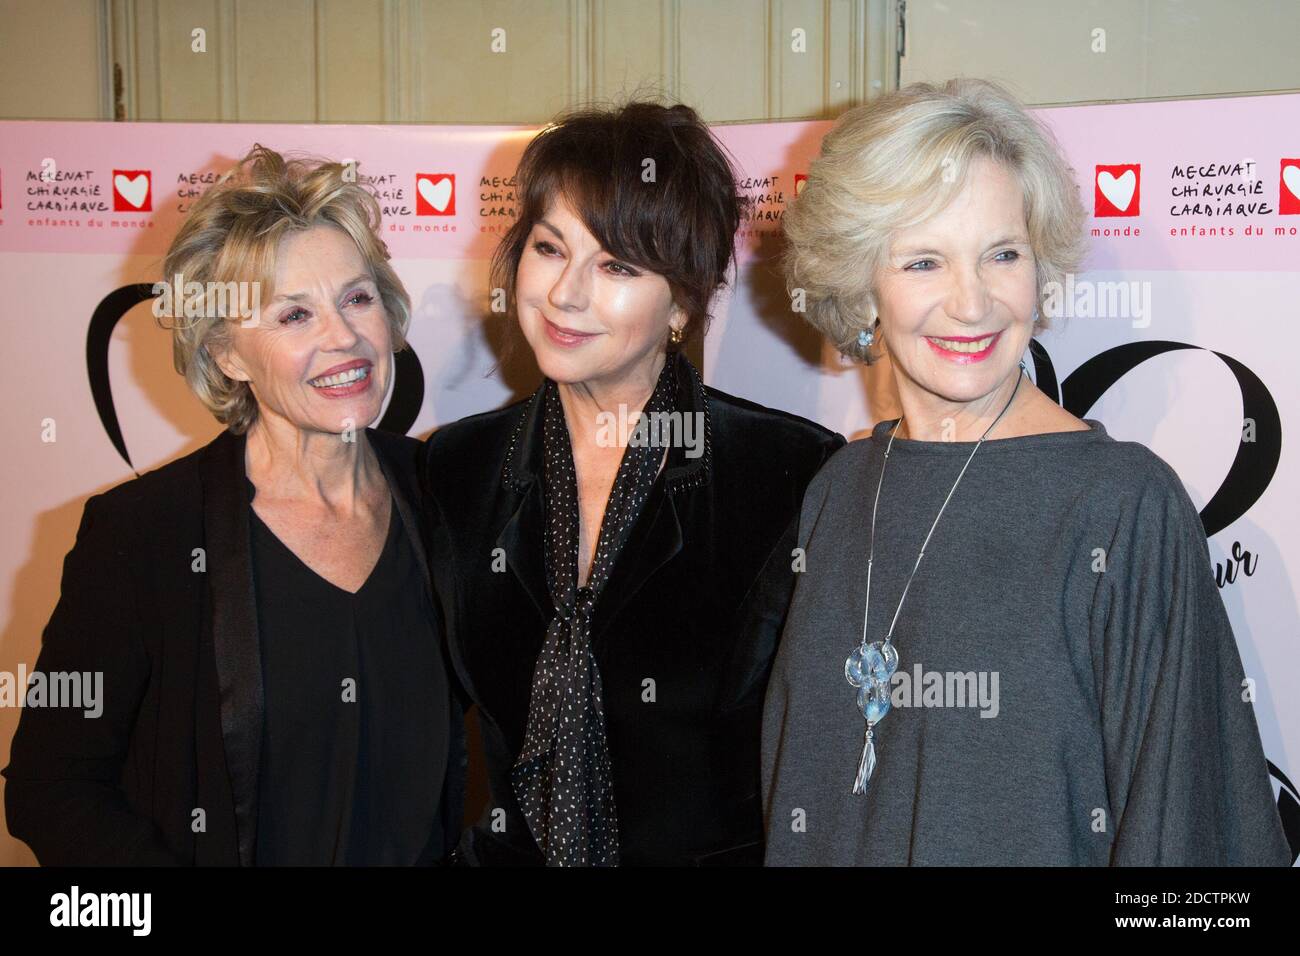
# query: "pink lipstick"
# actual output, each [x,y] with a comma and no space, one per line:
[566,338]
[344,380]
[963,349]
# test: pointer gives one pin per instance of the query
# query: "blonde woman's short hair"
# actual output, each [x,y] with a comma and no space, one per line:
[897,161]
[231,235]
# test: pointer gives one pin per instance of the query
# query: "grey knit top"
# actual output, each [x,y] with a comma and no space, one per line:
[1068,690]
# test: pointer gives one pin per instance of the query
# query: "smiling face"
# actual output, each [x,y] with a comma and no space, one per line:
[956,295]
[320,358]
[589,318]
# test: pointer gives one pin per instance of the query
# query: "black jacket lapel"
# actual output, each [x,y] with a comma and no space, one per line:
[232,622]
[523,539]
[397,460]
[403,490]
[655,540]
[657,536]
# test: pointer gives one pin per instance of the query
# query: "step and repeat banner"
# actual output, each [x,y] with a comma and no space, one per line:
[1178,335]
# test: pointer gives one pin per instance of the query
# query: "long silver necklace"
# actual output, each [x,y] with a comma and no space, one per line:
[870,666]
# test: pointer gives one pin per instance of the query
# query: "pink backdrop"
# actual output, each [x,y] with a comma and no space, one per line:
[1194,211]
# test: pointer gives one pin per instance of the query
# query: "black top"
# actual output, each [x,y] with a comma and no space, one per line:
[347,763]
[683,635]
[158,596]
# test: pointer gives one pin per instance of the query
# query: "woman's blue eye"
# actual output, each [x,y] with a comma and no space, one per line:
[289,317]
[1009,252]
[913,266]
[361,298]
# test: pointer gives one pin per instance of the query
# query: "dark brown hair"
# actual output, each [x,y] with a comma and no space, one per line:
[677,217]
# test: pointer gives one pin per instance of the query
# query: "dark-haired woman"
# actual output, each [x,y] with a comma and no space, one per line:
[613,554]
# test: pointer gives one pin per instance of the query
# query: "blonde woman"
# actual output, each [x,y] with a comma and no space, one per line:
[274,689]
[1008,647]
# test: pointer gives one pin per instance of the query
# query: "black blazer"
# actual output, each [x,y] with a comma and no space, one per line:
[178,646]
[695,604]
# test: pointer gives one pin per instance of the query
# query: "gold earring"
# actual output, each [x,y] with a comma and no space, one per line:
[675,336]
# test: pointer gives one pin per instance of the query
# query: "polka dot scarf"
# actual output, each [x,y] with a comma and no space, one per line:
[562,778]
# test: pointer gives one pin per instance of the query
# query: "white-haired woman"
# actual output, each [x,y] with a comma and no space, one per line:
[1008,646]
[274,686]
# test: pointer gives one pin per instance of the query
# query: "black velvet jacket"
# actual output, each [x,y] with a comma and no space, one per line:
[685,630]
[182,696]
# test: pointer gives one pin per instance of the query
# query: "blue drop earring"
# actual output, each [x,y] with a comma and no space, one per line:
[868,335]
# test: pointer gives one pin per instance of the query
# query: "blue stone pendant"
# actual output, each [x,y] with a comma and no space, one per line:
[869,668]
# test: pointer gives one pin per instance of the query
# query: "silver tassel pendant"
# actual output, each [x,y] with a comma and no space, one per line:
[867,765]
